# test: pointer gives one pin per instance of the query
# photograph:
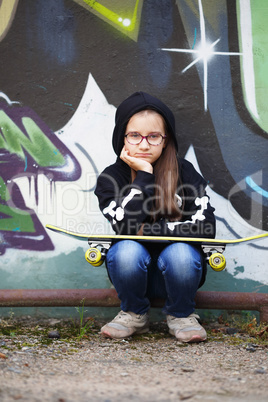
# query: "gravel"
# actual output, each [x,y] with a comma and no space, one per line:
[151,367]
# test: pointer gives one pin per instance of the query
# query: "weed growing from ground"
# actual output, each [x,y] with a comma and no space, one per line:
[84,326]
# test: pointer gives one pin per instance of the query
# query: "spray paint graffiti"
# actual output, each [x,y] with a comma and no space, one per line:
[84,57]
[205,50]
[240,140]
[7,13]
[126,19]
[28,148]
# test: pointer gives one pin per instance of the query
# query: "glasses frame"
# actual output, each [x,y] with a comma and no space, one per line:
[146,137]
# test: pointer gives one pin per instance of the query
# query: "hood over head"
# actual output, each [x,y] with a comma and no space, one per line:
[133,104]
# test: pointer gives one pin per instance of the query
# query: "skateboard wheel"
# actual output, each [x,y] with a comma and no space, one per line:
[94,256]
[217,262]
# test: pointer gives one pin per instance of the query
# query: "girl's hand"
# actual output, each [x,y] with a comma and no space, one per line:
[135,163]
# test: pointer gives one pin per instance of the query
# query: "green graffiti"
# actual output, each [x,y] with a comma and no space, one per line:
[126,22]
[259,12]
[7,13]
[253,31]
[4,194]
[12,219]
[36,144]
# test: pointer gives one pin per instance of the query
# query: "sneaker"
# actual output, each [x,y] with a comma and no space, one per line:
[126,324]
[186,329]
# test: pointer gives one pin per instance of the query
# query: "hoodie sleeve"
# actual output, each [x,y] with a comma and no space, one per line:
[198,215]
[125,206]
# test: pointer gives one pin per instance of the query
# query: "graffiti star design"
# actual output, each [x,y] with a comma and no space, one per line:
[204,52]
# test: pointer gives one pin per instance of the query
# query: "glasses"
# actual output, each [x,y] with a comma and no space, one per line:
[152,139]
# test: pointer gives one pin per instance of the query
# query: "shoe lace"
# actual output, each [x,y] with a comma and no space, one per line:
[122,316]
[187,320]
[126,317]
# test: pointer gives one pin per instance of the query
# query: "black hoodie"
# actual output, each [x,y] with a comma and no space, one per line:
[126,205]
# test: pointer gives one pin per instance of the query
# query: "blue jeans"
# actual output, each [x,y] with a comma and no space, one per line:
[141,272]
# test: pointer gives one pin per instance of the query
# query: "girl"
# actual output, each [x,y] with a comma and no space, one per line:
[150,191]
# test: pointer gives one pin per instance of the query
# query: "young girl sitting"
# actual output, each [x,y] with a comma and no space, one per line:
[150,191]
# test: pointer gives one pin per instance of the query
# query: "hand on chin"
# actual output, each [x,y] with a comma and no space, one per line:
[137,162]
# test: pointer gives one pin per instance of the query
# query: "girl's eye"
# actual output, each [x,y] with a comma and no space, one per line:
[134,135]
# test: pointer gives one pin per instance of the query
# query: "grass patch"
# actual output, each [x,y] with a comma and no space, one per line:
[238,328]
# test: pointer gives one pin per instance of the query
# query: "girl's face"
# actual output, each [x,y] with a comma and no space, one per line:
[146,122]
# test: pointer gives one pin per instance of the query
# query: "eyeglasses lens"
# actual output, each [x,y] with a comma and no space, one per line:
[136,138]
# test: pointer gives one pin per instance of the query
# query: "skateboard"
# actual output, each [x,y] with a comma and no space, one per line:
[99,245]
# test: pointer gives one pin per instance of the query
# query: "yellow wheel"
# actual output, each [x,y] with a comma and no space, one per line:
[94,257]
[217,262]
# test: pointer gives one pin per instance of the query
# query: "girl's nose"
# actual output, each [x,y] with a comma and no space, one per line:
[144,144]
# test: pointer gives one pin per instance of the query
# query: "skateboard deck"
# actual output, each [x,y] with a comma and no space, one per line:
[99,245]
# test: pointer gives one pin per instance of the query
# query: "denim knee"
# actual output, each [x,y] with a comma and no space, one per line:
[181,262]
[126,258]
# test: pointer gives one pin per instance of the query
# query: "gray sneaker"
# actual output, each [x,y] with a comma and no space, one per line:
[186,329]
[126,324]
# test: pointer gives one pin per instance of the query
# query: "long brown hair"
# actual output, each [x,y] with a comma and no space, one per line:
[167,180]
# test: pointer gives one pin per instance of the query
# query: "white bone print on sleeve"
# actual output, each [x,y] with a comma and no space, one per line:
[118,213]
[198,216]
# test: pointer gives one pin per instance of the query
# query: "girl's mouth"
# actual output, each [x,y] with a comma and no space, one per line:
[140,155]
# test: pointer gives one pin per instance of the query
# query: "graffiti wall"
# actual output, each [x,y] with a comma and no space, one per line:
[66,65]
